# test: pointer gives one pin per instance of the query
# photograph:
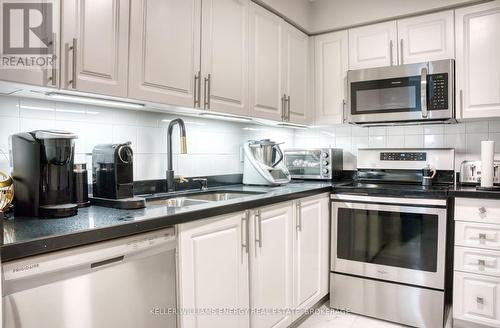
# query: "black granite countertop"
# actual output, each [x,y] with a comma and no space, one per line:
[472,192]
[32,236]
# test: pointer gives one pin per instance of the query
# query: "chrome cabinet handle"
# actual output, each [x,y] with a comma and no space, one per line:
[480,300]
[299,216]
[423,91]
[74,49]
[258,228]
[197,89]
[244,231]
[288,109]
[344,114]
[283,101]
[461,103]
[482,210]
[391,46]
[53,78]
[401,44]
[208,82]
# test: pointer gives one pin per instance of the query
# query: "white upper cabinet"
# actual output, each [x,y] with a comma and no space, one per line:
[373,46]
[164,50]
[224,56]
[95,38]
[426,38]
[477,60]
[331,66]
[266,67]
[32,55]
[296,83]
[213,271]
[271,265]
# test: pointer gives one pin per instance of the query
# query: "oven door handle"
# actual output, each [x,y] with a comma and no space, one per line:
[423,92]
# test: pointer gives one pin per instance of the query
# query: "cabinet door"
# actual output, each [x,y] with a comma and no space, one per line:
[311,252]
[266,68]
[213,271]
[330,77]
[296,71]
[271,268]
[426,38]
[225,55]
[164,50]
[476,299]
[100,29]
[477,64]
[30,55]
[373,46]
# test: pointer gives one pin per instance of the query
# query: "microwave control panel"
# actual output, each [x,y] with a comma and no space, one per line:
[438,91]
[406,156]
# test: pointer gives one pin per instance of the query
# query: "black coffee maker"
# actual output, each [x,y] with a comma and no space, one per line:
[43,173]
[113,171]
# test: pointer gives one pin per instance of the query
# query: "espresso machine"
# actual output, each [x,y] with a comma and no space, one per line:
[113,171]
[264,164]
[43,173]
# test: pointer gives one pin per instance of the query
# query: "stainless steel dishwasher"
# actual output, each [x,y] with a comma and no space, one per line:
[126,283]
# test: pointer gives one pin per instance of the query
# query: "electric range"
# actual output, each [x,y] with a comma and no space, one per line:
[389,236]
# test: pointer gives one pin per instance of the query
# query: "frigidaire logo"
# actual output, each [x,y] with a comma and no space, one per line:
[27,33]
[26,267]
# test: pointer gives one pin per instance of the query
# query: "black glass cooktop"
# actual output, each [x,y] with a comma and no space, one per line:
[393,189]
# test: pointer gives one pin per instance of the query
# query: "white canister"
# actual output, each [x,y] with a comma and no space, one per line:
[487,157]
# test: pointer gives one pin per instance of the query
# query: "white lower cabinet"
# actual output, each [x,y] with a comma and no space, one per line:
[476,282]
[476,299]
[271,266]
[310,252]
[275,257]
[213,271]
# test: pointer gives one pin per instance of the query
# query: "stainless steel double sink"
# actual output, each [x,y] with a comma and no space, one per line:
[191,199]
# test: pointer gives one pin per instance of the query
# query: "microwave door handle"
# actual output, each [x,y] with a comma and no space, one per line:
[423,92]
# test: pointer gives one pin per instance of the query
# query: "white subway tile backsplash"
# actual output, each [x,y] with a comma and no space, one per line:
[413,130]
[37,109]
[9,106]
[434,141]
[377,141]
[377,131]
[414,141]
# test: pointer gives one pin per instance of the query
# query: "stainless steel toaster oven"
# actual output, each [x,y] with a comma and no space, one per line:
[317,163]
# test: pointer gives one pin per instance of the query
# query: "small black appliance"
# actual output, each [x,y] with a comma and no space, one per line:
[43,173]
[113,171]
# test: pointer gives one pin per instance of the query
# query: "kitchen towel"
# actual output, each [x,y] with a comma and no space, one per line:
[487,155]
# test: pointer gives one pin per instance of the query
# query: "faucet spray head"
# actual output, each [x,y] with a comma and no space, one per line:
[183,145]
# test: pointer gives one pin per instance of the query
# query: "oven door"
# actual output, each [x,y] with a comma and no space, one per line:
[391,241]
[411,92]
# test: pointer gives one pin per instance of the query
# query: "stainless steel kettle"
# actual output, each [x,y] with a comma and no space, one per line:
[266,151]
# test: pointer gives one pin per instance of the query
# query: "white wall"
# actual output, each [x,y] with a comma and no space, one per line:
[298,11]
[336,14]
[213,146]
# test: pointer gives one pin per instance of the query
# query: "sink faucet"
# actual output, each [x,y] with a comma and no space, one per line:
[183,149]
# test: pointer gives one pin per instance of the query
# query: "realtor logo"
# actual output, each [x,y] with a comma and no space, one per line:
[26,33]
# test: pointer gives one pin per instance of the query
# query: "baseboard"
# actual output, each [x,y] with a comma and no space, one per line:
[306,316]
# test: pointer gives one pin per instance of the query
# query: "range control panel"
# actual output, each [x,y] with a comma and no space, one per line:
[438,91]
[403,156]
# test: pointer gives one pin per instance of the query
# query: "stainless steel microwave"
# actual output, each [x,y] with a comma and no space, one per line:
[423,92]
[315,164]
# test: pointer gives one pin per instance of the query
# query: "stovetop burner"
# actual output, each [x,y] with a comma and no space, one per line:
[393,189]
